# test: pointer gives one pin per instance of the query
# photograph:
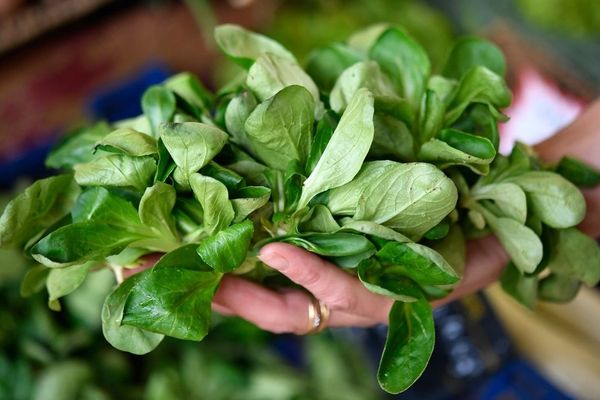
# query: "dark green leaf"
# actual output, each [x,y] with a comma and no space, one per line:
[522,288]
[386,282]
[420,263]
[34,280]
[443,155]
[338,244]
[188,87]
[473,145]
[431,116]
[558,288]
[250,199]
[470,52]
[326,64]
[226,250]
[409,344]
[453,248]
[578,172]
[172,301]
[404,61]
[325,129]
[166,165]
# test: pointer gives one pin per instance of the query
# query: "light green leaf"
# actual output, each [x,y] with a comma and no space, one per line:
[77,147]
[453,248]
[158,104]
[125,337]
[34,280]
[279,130]
[363,39]
[408,347]
[410,198]
[271,73]
[128,142]
[431,116]
[156,207]
[139,124]
[443,155]
[555,200]
[319,219]
[237,112]
[509,198]
[522,244]
[188,87]
[373,229]
[117,170]
[192,144]
[244,47]
[577,256]
[214,198]
[346,150]
[63,281]
[339,244]
[227,249]
[251,199]
[43,204]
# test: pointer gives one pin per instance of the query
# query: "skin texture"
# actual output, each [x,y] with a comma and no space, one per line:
[353,305]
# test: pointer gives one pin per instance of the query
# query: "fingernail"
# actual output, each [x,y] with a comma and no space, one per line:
[274,260]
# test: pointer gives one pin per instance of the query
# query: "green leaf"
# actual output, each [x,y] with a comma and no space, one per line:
[117,170]
[558,288]
[125,337]
[214,198]
[365,74]
[250,199]
[244,47]
[556,201]
[77,147]
[522,288]
[386,282]
[65,380]
[43,204]
[227,177]
[576,255]
[420,263]
[470,52]
[431,116]
[34,280]
[408,347]
[128,142]
[237,112]
[363,39]
[404,61]
[155,211]
[479,85]
[374,229]
[439,231]
[392,140]
[578,172]
[509,198]
[271,73]
[443,155]
[188,87]
[192,144]
[473,145]
[226,250]
[63,281]
[165,166]
[325,129]
[522,244]
[279,130]
[339,244]
[319,219]
[173,301]
[102,205]
[410,198]
[84,241]
[453,248]
[346,150]
[327,63]
[158,104]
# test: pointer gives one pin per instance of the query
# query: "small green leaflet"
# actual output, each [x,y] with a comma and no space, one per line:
[226,250]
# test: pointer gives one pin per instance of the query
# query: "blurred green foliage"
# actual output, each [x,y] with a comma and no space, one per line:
[577,18]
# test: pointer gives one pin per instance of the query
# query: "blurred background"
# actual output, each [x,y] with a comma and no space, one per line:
[64,63]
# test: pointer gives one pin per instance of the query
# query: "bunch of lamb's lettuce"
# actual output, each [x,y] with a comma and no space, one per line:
[365,157]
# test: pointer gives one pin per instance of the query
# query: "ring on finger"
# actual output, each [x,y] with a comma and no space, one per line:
[318,315]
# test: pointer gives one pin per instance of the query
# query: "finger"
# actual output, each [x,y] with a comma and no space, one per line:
[221,309]
[147,261]
[278,312]
[485,261]
[337,289]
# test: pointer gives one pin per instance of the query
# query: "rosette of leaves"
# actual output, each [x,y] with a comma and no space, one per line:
[356,158]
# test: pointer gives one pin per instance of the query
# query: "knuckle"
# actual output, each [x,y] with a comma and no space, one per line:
[342,300]
[308,277]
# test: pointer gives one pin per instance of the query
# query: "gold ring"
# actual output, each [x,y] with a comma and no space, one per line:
[318,315]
